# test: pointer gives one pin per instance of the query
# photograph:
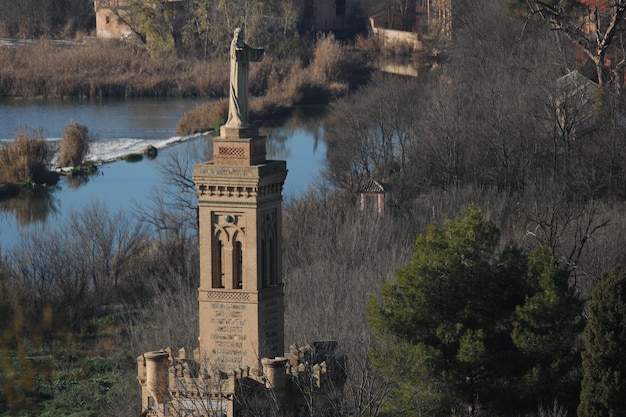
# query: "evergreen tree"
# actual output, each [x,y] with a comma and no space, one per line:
[604,359]
[447,315]
[545,327]
[468,325]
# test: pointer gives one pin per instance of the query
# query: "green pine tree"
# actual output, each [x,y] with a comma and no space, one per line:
[447,316]
[604,359]
[544,330]
[468,325]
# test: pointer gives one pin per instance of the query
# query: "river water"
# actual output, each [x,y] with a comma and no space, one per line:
[121,126]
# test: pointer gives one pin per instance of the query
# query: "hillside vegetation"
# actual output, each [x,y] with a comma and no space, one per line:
[442,310]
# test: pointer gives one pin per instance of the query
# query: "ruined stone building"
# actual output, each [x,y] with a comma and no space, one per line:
[240,366]
[339,16]
[113,17]
[418,21]
[108,24]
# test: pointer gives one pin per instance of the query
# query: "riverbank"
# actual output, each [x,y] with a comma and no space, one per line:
[115,69]
[101,69]
[8,189]
[332,72]
[104,69]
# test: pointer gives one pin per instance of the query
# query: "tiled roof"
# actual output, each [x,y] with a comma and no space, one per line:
[373,186]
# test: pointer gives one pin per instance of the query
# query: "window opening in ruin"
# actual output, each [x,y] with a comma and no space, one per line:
[340,7]
[308,9]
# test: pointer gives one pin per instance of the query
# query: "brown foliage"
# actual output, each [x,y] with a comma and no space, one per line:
[328,60]
[27,158]
[280,85]
[367,43]
[203,118]
[74,144]
[104,69]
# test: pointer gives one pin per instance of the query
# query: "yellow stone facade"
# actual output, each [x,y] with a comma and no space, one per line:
[241,290]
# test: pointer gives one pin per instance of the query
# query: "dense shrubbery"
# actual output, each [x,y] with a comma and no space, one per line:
[27,158]
[45,69]
[74,145]
[132,157]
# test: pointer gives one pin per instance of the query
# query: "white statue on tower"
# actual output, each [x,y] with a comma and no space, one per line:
[240,57]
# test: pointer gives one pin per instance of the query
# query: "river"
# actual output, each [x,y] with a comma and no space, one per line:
[121,126]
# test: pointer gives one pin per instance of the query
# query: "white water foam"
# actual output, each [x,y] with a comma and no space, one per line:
[108,150]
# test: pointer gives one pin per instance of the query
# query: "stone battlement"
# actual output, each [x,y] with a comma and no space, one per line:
[179,384]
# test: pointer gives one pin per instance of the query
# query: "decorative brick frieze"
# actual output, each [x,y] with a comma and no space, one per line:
[231,296]
[230,152]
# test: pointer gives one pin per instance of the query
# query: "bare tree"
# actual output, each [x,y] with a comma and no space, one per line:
[595,27]
[372,136]
[567,227]
[173,211]
[110,243]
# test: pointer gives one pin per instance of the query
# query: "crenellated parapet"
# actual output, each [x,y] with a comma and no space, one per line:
[318,364]
[183,385]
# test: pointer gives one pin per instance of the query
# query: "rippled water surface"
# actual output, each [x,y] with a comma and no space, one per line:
[121,126]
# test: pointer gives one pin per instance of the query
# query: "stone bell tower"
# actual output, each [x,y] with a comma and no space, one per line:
[241,291]
[241,352]
[239,197]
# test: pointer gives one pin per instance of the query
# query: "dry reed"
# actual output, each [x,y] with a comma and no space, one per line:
[74,144]
[104,69]
[26,158]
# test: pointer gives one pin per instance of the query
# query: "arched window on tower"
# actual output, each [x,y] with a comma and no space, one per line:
[218,264]
[237,266]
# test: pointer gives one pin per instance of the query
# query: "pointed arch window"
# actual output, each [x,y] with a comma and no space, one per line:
[218,263]
[237,265]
